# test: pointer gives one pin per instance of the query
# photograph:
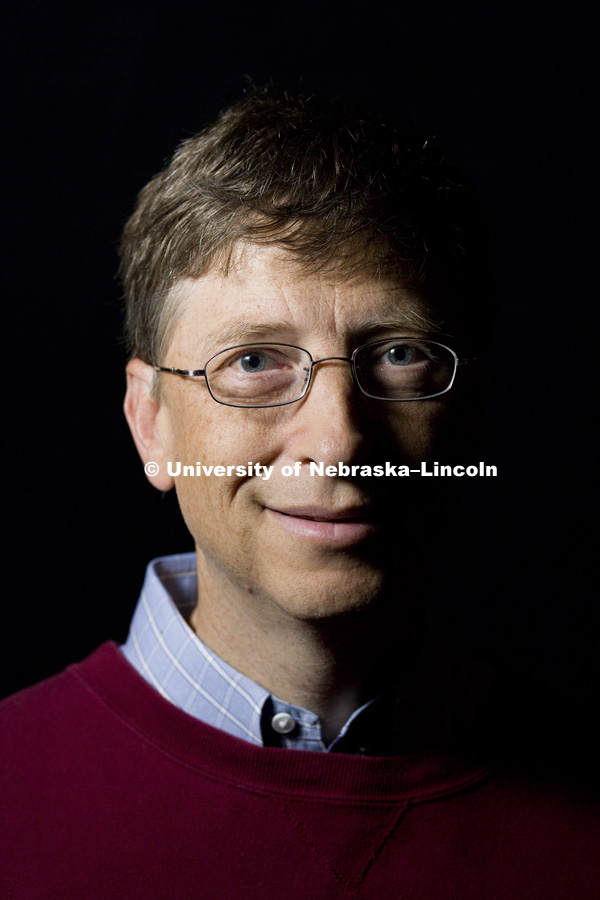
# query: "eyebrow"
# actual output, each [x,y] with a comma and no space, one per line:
[239,330]
[411,320]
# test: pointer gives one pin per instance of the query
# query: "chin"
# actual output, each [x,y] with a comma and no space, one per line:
[324,594]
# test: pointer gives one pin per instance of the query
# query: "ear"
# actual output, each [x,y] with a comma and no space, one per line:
[141,411]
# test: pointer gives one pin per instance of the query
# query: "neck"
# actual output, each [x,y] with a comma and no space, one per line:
[330,666]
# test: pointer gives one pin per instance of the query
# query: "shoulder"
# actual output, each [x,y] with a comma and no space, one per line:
[41,725]
[41,702]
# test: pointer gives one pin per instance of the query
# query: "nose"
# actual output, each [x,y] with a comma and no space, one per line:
[329,422]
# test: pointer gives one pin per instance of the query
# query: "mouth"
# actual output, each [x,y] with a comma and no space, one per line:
[342,527]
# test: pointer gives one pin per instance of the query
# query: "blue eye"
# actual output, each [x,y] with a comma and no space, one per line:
[402,355]
[253,362]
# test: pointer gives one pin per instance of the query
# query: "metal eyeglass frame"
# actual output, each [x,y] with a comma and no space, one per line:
[195,373]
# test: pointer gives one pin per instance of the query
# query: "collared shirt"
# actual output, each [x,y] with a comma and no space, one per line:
[172,658]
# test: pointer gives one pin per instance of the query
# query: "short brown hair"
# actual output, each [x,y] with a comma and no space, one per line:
[333,186]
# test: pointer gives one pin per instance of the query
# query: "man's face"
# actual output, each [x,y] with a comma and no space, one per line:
[305,546]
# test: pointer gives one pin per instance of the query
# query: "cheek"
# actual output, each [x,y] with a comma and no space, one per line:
[418,429]
[209,434]
[214,434]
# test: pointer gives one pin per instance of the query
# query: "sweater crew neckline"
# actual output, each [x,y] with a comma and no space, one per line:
[218,755]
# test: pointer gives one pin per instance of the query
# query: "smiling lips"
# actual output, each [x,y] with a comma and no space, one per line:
[345,526]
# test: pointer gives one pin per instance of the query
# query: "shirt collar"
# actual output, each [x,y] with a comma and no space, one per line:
[173,659]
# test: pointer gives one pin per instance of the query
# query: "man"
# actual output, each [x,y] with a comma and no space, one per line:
[305,291]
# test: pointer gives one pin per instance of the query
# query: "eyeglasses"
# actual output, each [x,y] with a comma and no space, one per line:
[266,374]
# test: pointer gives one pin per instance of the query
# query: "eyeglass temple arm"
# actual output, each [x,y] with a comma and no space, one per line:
[187,373]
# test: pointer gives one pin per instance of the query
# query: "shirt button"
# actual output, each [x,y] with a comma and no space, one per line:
[283,723]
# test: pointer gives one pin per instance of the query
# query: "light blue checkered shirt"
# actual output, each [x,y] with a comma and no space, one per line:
[172,658]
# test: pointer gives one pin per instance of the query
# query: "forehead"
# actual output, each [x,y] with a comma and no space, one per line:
[266,295]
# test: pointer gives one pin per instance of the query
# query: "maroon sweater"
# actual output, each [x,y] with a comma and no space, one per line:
[109,791]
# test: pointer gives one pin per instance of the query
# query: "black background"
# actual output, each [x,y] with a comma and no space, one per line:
[96,99]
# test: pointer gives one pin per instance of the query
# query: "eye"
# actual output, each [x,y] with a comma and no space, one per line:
[254,361]
[401,355]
